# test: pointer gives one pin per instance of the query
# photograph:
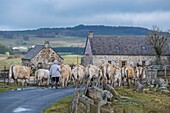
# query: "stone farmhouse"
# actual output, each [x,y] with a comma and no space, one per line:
[121,50]
[41,55]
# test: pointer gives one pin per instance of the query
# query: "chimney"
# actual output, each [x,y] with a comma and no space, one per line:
[90,34]
[47,44]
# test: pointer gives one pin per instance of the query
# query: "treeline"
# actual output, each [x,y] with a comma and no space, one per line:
[80,30]
[69,50]
[4,49]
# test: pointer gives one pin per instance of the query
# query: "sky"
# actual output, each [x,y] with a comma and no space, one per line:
[34,14]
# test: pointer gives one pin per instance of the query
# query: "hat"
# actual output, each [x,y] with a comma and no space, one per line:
[55,62]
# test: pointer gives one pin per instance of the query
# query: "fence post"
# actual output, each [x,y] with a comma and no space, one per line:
[77,60]
[4,74]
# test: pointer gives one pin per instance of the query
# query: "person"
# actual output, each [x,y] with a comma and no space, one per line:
[55,73]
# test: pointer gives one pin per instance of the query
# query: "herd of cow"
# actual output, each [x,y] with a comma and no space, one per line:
[78,74]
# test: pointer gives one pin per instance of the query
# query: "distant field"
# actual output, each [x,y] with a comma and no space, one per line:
[68,59]
[6,63]
[65,41]
[72,59]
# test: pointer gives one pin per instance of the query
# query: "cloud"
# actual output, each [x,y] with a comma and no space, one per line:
[30,14]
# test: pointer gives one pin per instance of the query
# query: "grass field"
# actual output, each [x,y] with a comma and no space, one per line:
[151,102]
[65,41]
[68,59]
[72,59]
[6,63]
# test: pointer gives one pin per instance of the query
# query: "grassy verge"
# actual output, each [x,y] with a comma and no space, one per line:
[6,87]
[62,106]
[151,102]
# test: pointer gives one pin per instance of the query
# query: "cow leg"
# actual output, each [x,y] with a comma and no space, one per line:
[63,83]
[22,82]
[67,81]
[16,81]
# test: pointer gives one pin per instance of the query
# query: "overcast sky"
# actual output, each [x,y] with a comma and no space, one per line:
[33,14]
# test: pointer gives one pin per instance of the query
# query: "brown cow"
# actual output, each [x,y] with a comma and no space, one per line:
[19,72]
[128,73]
[65,75]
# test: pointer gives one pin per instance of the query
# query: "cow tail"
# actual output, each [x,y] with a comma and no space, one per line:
[11,73]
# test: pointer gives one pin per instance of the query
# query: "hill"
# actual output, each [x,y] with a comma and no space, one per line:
[80,31]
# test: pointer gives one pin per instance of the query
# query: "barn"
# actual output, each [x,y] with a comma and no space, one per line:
[121,50]
[41,55]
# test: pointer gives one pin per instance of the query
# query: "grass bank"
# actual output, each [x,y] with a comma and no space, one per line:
[150,102]
[4,87]
[62,106]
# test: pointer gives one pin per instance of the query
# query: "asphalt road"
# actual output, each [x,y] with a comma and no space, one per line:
[31,99]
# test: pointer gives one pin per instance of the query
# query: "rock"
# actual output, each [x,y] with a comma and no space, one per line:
[99,96]
[113,91]
[165,91]
[139,87]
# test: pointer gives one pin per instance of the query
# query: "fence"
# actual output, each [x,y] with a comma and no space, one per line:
[4,70]
[163,73]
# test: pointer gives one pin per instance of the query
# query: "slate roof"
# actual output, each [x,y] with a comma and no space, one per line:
[33,52]
[122,45]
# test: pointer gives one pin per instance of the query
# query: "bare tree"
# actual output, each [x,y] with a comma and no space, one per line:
[158,41]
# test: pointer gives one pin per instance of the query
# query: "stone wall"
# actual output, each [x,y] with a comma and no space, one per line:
[130,60]
[87,59]
[46,56]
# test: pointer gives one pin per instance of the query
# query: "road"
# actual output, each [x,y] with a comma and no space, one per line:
[31,99]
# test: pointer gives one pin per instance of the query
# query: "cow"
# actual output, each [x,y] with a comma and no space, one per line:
[108,71]
[65,75]
[93,73]
[140,72]
[19,72]
[42,75]
[128,73]
[117,77]
[78,73]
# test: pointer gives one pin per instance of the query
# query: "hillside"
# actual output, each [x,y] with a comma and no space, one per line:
[80,31]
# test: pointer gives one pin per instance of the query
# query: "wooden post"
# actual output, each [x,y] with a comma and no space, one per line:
[165,72]
[166,80]
[77,60]
[4,74]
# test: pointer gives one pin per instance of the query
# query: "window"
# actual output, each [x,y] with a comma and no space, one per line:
[123,63]
[143,47]
[143,63]
[117,49]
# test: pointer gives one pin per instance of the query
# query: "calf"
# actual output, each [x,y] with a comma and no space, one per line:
[42,75]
